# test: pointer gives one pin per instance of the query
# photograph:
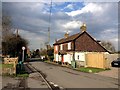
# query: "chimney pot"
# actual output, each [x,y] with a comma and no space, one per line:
[66,35]
[83,27]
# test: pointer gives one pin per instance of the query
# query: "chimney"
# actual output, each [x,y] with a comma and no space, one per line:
[66,35]
[83,27]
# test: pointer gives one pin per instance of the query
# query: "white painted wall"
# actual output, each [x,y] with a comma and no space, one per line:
[81,56]
[61,46]
[56,48]
[69,46]
[56,57]
[68,58]
[59,58]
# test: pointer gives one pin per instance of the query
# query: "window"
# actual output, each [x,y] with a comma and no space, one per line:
[78,57]
[61,47]
[69,45]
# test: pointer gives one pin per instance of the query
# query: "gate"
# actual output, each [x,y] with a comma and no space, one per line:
[96,60]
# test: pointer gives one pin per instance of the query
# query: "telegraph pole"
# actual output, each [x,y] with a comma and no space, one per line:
[49,28]
[48,35]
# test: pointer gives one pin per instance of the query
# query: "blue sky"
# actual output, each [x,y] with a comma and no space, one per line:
[32,20]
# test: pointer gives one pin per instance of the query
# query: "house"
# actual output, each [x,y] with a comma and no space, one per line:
[75,47]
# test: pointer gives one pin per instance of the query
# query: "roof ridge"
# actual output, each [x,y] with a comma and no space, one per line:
[69,38]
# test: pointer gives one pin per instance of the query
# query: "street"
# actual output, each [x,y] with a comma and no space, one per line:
[68,78]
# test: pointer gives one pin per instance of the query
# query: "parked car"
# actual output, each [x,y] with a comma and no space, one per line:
[116,63]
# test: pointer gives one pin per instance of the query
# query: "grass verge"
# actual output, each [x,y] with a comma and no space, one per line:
[6,65]
[25,75]
[91,70]
[83,69]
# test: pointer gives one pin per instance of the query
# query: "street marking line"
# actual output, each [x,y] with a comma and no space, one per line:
[55,85]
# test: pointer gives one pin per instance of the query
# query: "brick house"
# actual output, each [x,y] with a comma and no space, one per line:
[75,47]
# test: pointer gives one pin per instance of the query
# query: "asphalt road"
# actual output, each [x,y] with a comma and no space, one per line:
[68,78]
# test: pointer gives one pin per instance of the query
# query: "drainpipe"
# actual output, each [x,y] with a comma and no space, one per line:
[73,61]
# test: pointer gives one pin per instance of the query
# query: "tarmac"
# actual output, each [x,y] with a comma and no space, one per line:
[113,73]
[34,81]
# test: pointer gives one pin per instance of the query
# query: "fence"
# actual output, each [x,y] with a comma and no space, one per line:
[97,60]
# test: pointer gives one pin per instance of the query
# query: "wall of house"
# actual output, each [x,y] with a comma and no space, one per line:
[86,43]
[55,57]
[80,59]
[56,48]
[80,56]
[68,58]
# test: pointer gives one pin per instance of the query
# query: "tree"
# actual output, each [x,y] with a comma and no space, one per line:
[50,53]
[108,45]
[37,53]
[11,43]
[43,52]
[6,26]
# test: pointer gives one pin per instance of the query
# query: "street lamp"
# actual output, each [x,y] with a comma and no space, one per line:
[23,48]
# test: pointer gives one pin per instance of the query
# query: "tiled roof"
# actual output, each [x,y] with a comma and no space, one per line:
[70,38]
[91,45]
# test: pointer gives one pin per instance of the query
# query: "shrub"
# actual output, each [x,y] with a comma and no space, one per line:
[59,62]
[66,63]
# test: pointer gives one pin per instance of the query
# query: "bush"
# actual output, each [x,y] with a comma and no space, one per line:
[66,63]
[59,62]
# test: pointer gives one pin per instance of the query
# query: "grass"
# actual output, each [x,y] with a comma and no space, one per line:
[90,69]
[84,69]
[6,65]
[25,75]
[46,61]
[22,73]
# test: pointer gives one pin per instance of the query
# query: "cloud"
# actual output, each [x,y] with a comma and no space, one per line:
[89,8]
[37,40]
[72,25]
[69,6]
[110,35]
[32,18]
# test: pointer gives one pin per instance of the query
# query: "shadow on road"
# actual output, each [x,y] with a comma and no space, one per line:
[34,60]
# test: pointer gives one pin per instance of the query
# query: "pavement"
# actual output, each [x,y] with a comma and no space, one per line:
[113,73]
[35,81]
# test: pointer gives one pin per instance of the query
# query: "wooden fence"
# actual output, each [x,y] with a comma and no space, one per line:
[97,60]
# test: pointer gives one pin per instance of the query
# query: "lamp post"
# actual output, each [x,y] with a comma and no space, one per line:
[23,48]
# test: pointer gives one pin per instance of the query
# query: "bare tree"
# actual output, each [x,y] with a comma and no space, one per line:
[108,45]
[11,43]
[6,26]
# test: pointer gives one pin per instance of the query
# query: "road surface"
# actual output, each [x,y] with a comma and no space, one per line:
[68,78]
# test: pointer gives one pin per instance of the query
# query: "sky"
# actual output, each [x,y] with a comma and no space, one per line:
[32,20]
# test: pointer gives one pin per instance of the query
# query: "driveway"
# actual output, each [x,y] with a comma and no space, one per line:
[110,73]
